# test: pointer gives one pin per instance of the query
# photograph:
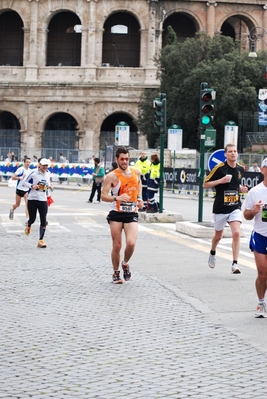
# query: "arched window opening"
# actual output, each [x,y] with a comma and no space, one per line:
[237,27]
[9,135]
[60,136]
[64,40]
[121,41]
[107,133]
[182,25]
[11,39]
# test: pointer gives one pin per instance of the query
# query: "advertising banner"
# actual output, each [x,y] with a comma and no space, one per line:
[59,169]
[262,107]
[188,176]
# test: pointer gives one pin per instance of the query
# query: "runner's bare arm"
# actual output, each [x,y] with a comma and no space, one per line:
[140,202]
[109,182]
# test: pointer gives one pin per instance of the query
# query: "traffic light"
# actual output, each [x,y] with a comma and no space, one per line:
[160,115]
[206,107]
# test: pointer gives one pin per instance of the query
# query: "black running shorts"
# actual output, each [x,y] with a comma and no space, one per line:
[122,217]
[21,193]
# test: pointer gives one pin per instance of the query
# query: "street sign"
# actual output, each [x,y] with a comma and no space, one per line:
[175,138]
[215,158]
[230,133]
[122,134]
[210,137]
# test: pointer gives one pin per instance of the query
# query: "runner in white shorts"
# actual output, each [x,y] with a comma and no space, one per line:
[226,179]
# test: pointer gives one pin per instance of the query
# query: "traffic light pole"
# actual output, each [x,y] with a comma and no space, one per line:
[161,182]
[162,136]
[207,96]
[161,125]
[201,174]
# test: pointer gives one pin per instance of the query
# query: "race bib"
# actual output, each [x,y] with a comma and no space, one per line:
[231,197]
[127,207]
[264,213]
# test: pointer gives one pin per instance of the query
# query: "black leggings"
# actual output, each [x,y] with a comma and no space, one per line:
[42,207]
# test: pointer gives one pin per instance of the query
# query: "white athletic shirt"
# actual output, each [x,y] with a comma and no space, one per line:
[257,193]
[36,177]
[20,172]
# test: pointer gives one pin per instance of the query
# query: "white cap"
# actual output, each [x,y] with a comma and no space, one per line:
[264,163]
[45,161]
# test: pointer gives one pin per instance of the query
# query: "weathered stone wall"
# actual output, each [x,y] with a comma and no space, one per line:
[90,92]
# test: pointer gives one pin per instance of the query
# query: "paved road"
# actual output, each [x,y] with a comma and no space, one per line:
[177,330]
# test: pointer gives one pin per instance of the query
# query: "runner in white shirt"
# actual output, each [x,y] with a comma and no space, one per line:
[38,181]
[256,208]
[21,192]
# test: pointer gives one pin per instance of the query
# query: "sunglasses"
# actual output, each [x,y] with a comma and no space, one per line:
[124,159]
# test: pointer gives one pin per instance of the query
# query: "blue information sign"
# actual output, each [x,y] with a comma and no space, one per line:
[215,158]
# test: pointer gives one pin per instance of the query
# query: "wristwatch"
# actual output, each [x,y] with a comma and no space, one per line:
[115,198]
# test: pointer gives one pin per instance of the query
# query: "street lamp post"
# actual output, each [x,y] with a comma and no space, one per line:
[255,34]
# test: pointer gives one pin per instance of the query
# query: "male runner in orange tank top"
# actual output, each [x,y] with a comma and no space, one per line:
[123,189]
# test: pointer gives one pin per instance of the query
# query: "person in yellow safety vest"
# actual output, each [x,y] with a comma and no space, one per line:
[143,165]
[153,184]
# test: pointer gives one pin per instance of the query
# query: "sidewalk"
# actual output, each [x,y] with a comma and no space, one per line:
[67,332]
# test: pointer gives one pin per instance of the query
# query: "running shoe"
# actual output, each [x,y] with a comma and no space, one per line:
[41,244]
[27,230]
[11,214]
[212,261]
[235,269]
[126,272]
[261,310]
[116,277]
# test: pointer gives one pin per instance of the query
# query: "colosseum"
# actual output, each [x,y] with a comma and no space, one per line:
[71,70]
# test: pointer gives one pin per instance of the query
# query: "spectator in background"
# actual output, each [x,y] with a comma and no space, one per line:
[254,168]
[153,184]
[61,159]
[114,165]
[8,157]
[98,178]
[143,165]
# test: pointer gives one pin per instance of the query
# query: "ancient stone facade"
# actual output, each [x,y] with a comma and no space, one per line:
[91,59]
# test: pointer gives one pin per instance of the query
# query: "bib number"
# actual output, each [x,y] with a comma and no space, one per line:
[231,198]
[264,213]
[127,207]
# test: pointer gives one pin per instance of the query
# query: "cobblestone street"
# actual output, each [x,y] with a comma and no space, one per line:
[67,332]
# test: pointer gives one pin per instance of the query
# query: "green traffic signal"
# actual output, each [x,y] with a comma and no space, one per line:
[206,120]
[206,107]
